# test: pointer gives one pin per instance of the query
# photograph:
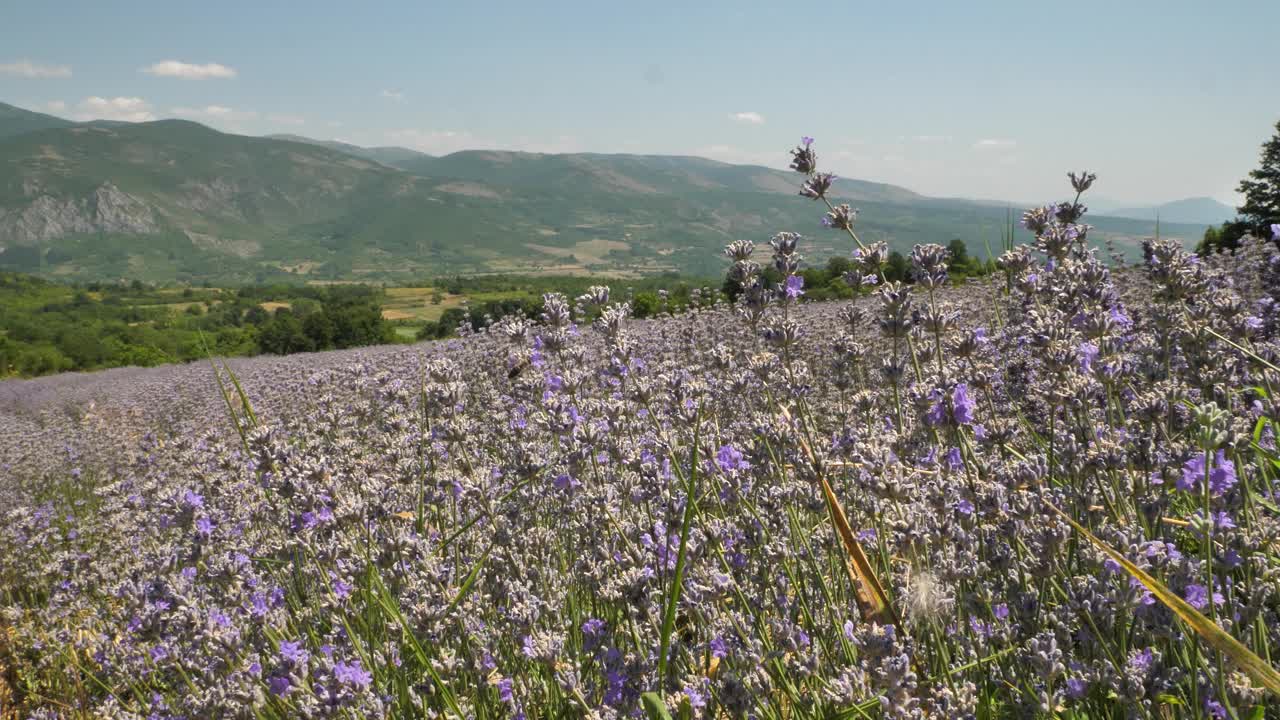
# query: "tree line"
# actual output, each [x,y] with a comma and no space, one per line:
[47,328]
[1261,207]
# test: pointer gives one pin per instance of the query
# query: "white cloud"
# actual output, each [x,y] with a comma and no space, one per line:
[287,119]
[214,112]
[932,138]
[738,156]
[28,69]
[396,95]
[995,144]
[438,142]
[188,71]
[127,109]
[559,145]
[56,106]
[753,118]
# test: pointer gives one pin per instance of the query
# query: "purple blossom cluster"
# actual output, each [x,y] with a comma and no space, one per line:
[554,516]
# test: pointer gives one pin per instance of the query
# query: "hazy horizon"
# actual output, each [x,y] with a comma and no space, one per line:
[1163,101]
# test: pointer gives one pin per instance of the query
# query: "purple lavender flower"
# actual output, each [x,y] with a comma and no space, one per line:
[963,406]
[279,685]
[1088,355]
[204,526]
[352,673]
[1222,475]
[342,589]
[1223,520]
[817,186]
[730,458]
[566,482]
[936,413]
[1275,231]
[803,159]
[718,647]
[794,286]
[292,651]
[697,695]
[1140,660]
[1198,596]
[954,459]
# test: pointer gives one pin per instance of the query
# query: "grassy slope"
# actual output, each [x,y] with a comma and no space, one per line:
[236,209]
[390,156]
[16,121]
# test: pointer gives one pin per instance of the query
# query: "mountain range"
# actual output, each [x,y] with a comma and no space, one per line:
[174,200]
[1197,211]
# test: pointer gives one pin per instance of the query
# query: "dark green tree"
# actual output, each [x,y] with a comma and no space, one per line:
[898,268]
[1226,237]
[356,324]
[1261,190]
[1261,208]
[449,320]
[319,328]
[644,305]
[283,334]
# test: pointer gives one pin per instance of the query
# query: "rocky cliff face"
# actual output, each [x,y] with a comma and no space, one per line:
[45,218]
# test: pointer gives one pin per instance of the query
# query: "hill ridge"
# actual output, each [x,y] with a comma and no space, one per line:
[177,200]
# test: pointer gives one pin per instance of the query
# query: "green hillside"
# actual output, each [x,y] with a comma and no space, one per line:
[16,121]
[175,200]
[629,174]
[391,155]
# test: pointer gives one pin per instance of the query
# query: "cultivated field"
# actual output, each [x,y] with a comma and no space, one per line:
[1048,493]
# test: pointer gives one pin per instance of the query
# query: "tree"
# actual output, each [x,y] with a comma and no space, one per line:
[320,329]
[283,334]
[838,265]
[1227,237]
[1261,190]
[356,324]
[1261,208]
[256,315]
[898,268]
[645,305]
[449,320]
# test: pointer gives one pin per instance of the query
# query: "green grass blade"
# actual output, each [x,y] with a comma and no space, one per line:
[1251,354]
[244,399]
[654,707]
[677,582]
[226,395]
[469,582]
[1216,637]
[389,605]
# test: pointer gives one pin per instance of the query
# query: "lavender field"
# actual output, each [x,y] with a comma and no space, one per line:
[1047,493]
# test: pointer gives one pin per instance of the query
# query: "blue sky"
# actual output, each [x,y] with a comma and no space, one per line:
[1163,100]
